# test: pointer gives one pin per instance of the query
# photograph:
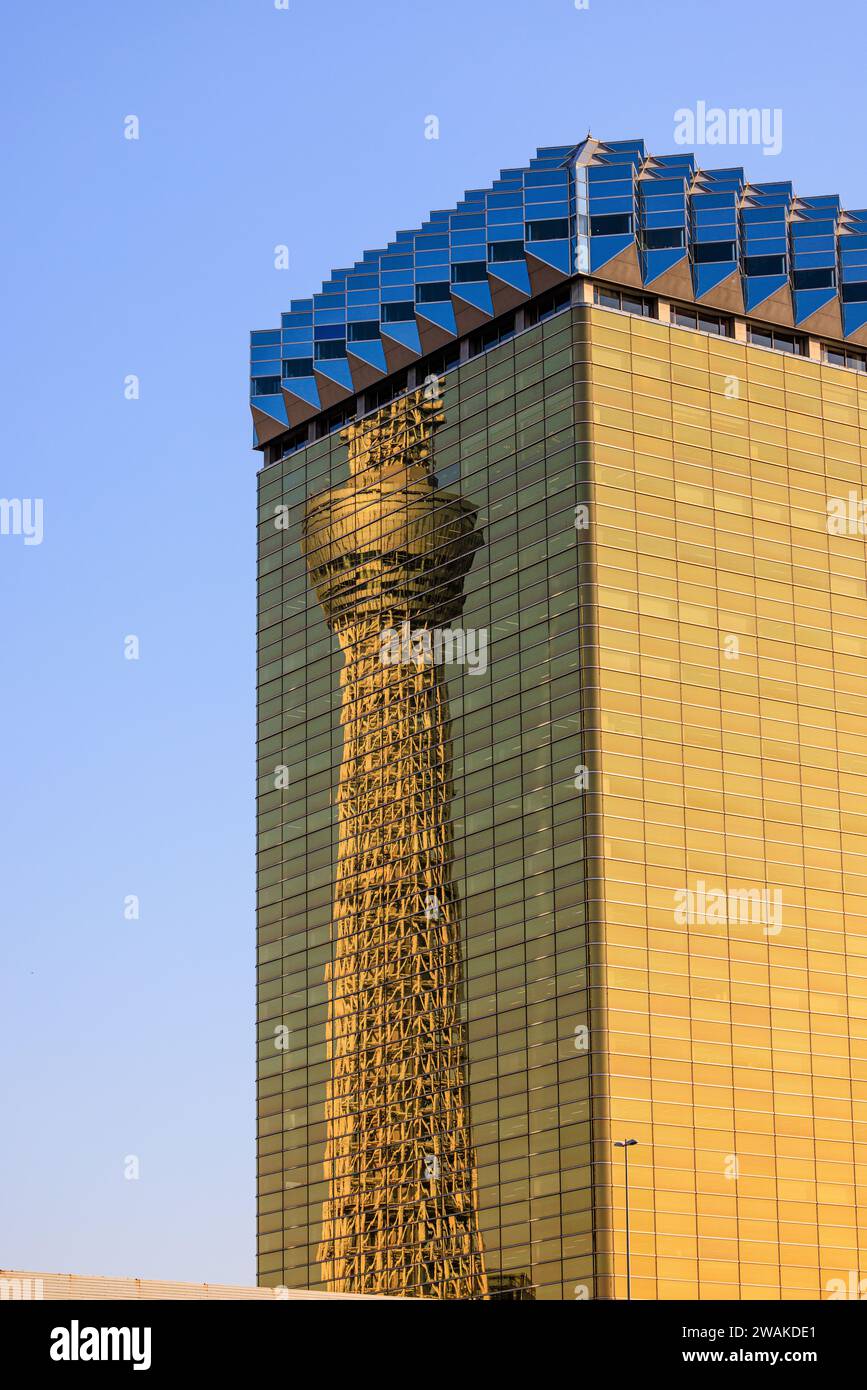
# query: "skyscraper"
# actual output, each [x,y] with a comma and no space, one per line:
[561,722]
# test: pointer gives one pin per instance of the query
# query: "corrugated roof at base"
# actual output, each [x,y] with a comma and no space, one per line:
[28,1286]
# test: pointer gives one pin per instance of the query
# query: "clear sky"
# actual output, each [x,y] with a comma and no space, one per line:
[258,126]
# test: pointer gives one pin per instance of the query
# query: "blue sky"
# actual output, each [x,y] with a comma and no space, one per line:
[155,257]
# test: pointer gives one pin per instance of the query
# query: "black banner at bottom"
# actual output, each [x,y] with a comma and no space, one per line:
[157,1339]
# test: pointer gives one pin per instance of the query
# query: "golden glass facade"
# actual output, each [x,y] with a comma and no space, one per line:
[669,945]
[508,445]
[732,636]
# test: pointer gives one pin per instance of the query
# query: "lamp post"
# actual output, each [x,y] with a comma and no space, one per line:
[626,1145]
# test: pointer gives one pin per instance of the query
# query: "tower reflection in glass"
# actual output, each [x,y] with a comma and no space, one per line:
[387,551]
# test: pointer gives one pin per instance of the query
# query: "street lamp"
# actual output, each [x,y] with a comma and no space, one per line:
[626,1145]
